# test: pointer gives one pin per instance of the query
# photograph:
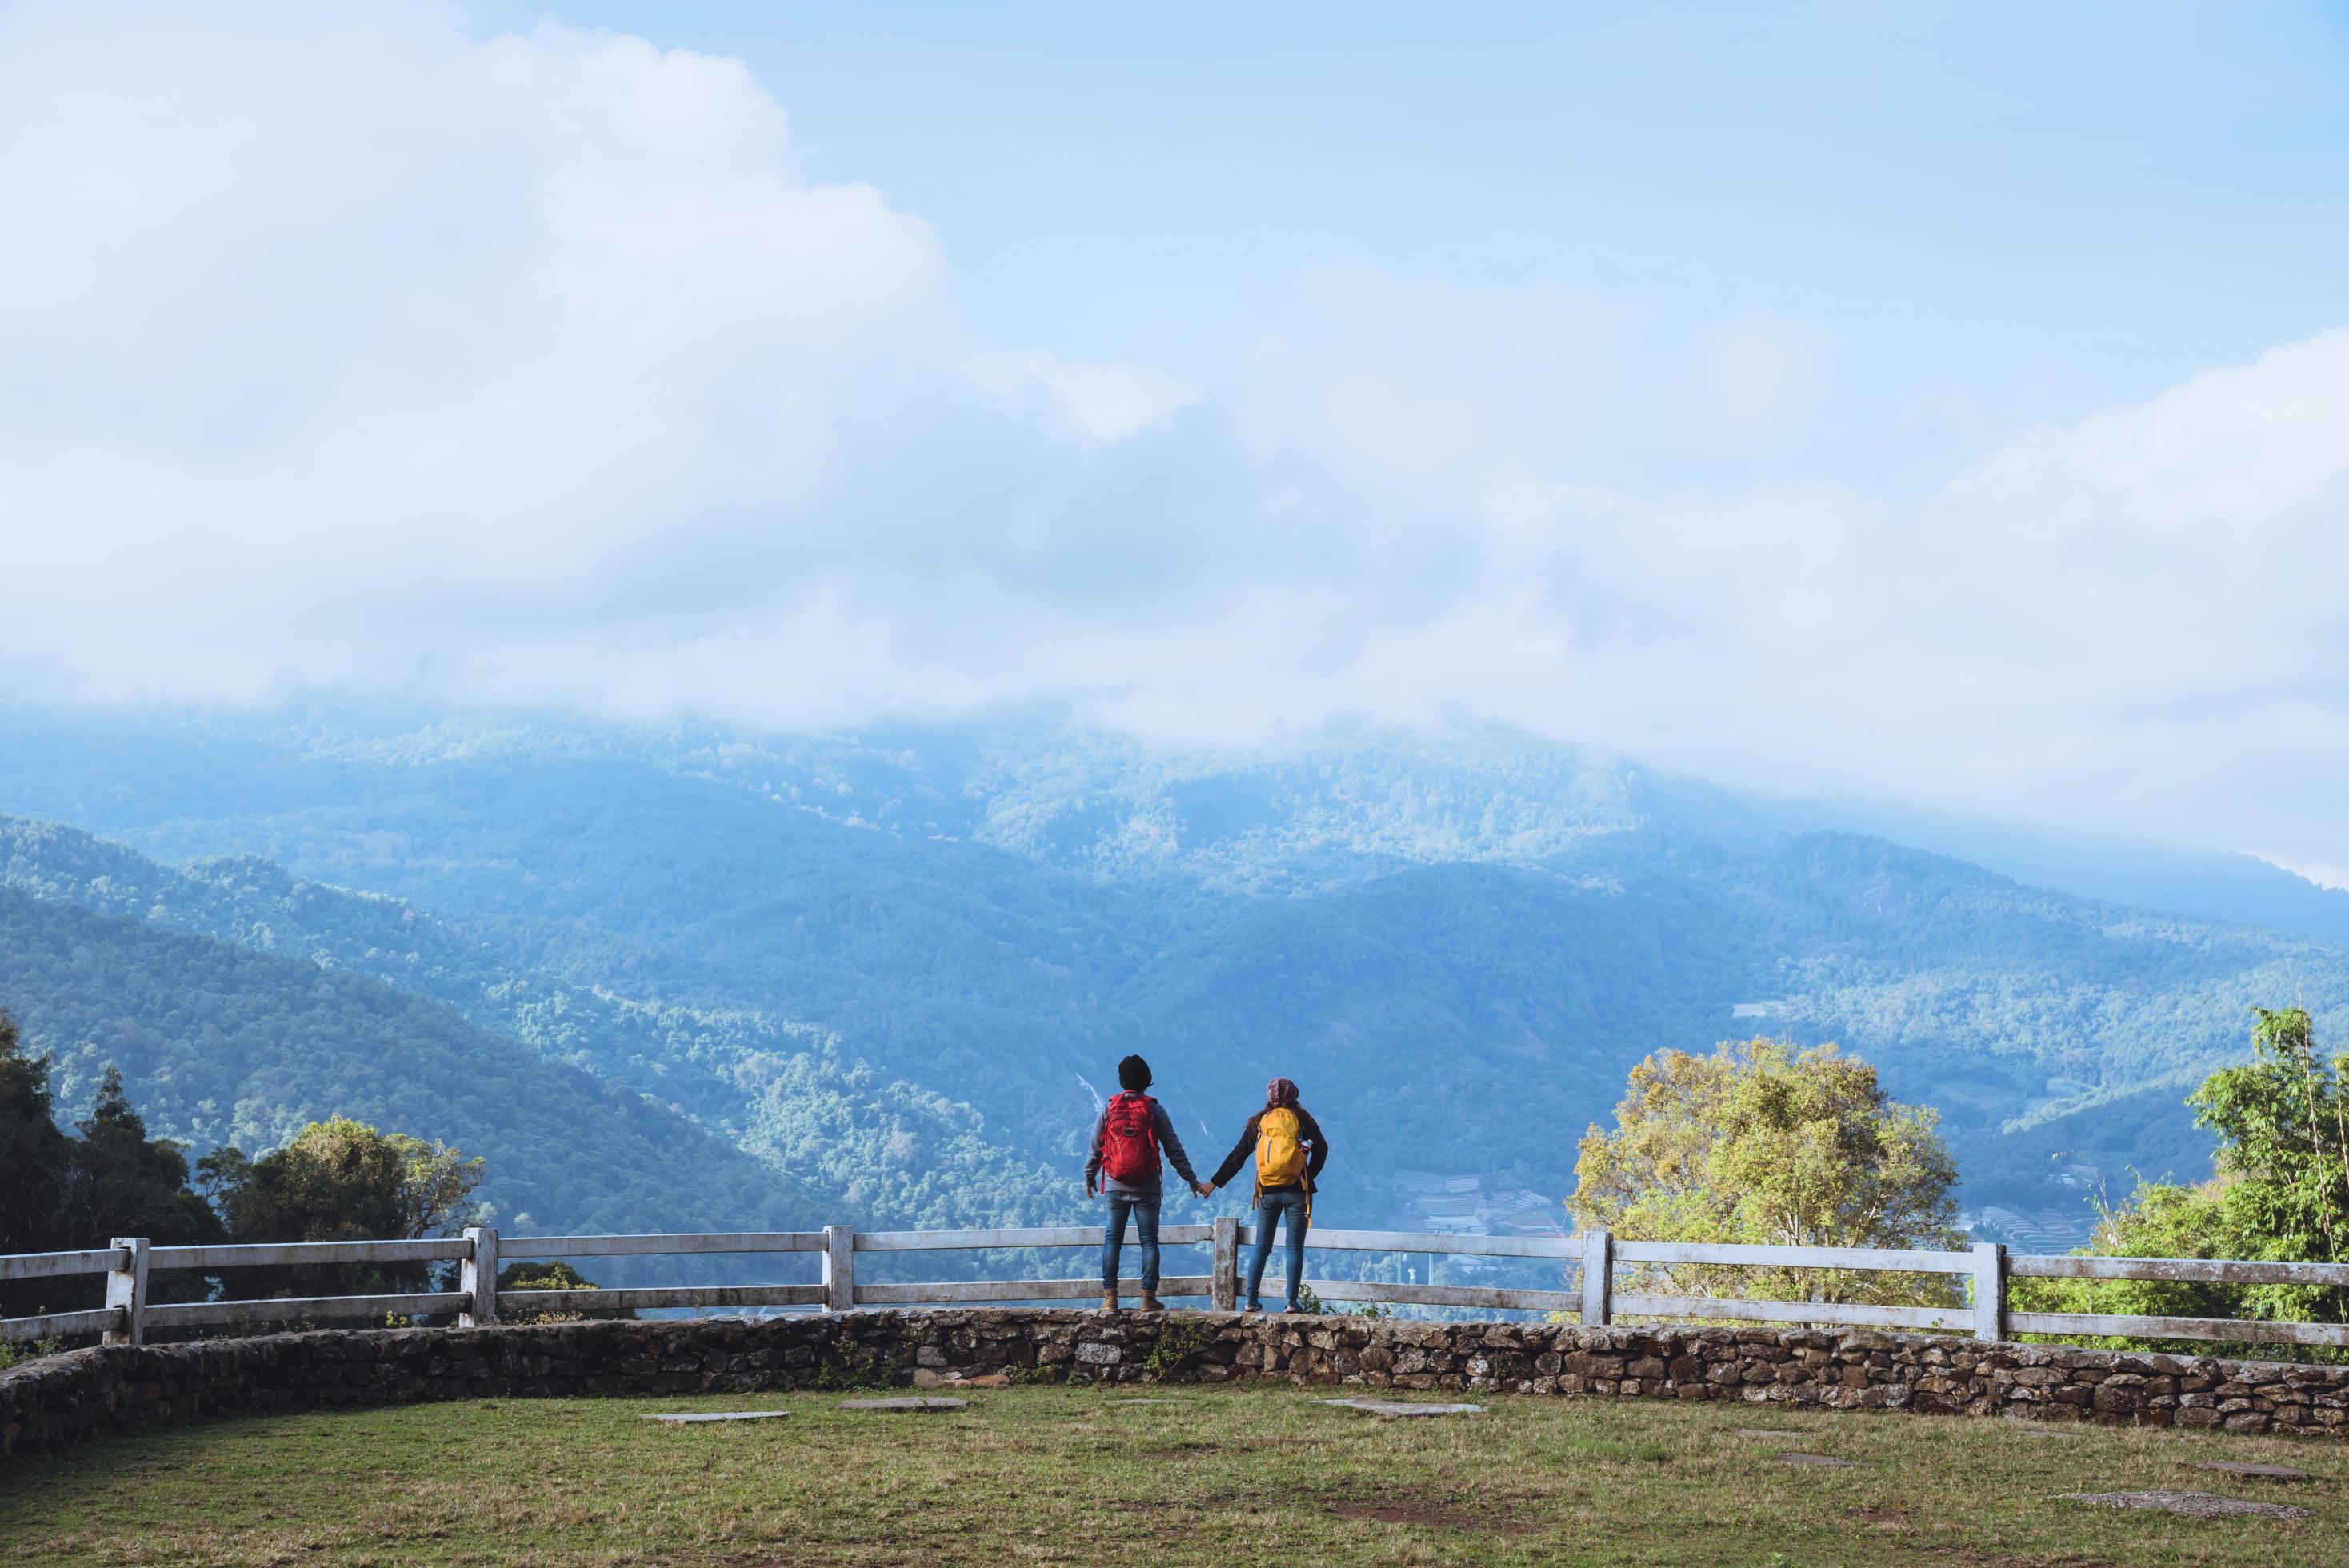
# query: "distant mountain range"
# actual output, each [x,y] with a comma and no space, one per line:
[887,973]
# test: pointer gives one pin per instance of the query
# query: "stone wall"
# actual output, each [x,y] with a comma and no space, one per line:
[52,1402]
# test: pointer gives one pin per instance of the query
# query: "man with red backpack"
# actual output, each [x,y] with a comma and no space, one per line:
[1123,1165]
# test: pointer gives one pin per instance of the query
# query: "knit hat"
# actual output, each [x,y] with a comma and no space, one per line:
[1280,1091]
[1134,1074]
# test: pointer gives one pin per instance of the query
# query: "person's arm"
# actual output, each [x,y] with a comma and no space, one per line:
[1310,1129]
[1240,1151]
[1172,1144]
[1093,1160]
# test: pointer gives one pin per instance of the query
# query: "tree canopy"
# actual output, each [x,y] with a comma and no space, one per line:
[1766,1142]
[341,1179]
[2281,1193]
[65,1191]
[336,1179]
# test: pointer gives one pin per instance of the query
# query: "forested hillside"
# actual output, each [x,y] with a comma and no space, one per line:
[906,958]
[873,1148]
[220,1043]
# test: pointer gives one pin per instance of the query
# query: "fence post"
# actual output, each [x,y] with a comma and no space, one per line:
[478,1278]
[1989,1290]
[126,1288]
[838,1268]
[1224,1274]
[1598,1278]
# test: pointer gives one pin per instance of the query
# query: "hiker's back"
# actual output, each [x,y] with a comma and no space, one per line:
[1279,1151]
[1130,1140]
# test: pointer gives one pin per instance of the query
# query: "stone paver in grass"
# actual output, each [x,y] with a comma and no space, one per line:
[926,1378]
[903,1404]
[2192,1504]
[1825,1460]
[2265,1473]
[683,1416]
[1395,1409]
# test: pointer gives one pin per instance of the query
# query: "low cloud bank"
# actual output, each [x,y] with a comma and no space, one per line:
[349,347]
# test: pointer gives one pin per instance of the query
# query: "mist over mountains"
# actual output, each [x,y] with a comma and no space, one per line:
[878,974]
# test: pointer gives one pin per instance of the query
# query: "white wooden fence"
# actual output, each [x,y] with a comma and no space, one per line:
[128,1262]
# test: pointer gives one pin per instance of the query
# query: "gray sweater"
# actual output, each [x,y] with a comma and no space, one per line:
[1168,1144]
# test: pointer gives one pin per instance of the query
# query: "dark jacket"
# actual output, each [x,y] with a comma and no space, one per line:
[1308,1132]
[1170,1146]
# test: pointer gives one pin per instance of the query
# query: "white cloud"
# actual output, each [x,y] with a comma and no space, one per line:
[2324,874]
[2235,442]
[338,319]
[346,346]
[1756,373]
[1099,405]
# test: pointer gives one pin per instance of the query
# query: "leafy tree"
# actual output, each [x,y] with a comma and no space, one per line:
[32,1149]
[1764,1143]
[2281,1194]
[2283,1120]
[59,1192]
[120,1182]
[341,1179]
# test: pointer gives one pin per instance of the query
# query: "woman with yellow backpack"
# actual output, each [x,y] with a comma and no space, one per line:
[1289,1153]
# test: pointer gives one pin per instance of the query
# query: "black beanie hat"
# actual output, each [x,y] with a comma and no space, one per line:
[1134,1074]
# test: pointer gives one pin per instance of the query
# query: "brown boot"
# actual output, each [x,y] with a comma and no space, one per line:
[1109,1300]
[1151,1302]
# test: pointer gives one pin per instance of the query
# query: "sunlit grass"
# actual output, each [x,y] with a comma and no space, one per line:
[1211,1475]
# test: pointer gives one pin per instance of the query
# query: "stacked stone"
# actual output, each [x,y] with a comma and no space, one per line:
[49,1403]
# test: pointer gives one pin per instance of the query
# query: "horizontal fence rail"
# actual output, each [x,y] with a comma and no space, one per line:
[51,1265]
[648,1298]
[275,1254]
[1587,1268]
[1830,1314]
[2255,1330]
[657,1246]
[1034,1236]
[2194,1270]
[302,1309]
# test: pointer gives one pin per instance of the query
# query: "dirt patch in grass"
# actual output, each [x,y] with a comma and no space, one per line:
[1431,1512]
[2190,1504]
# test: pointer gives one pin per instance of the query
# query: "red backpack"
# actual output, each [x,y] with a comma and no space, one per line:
[1130,1139]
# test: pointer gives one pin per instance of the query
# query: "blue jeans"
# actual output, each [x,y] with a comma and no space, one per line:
[1143,1208]
[1271,1204]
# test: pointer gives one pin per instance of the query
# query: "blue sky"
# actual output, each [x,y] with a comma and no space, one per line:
[1942,404]
[1996,215]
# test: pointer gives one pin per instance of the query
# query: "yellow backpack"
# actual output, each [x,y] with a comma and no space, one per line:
[1279,1158]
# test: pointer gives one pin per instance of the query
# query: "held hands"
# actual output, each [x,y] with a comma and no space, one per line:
[1199,1189]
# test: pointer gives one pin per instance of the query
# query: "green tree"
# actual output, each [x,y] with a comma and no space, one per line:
[338,1181]
[2283,1120]
[59,1192]
[1764,1142]
[32,1147]
[120,1182]
[33,1156]
[2280,1193]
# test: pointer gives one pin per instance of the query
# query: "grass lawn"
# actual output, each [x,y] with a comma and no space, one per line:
[1212,1475]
